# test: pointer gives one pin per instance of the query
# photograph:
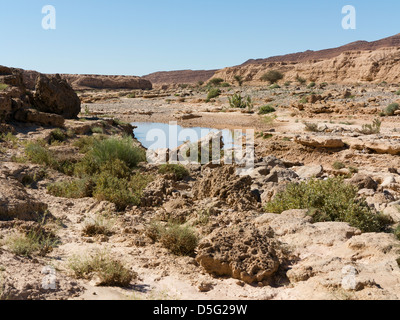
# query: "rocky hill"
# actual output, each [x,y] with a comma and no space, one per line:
[348,67]
[183,76]
[84,82]
[393,41]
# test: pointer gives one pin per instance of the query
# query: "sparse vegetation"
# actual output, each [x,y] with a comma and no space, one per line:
[178,171]
[237,101]
[239,80]
[213,93]
[98,225]
[267,109]
[328,200]
[179,240]
[272,76]
[57,135]
[311,127]
[391,109]
[338,165]
[78,188]
[215,82]
[373,128]
[301,80]
[111,272]
[3,86]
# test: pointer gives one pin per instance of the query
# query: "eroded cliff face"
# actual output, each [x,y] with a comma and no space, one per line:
[349,67]
[83,82]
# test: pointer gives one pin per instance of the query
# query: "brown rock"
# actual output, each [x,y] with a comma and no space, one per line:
[55,95]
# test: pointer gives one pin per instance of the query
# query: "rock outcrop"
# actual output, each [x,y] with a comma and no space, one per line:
[348,67]
[243,253]
[54,95]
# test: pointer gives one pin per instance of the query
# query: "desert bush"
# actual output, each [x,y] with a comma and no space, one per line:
[267,109]
[57,135]
[112,273]
[79,188]
[121,192]
[328,200]
[311,85]
[225,85]
[34,241]
[311,127]
[113,148]
[213,93]
[237,101]
[3,86]
[338,165]
[177,170]
[301,80]
[239,80]
[131,95]
[98,130]
[272,76]
[39,154]
[215,81]
[179,240]
[391,109]
[99,224]
[373,128]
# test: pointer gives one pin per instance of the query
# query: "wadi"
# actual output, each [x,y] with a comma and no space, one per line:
[84,214]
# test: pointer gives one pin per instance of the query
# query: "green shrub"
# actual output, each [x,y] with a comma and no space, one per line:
[338,165]
[121,192]
[215,81]
[328,200]
[267,109]
[239,80]
[179,171]
[39,154]
[98,130]
[213,93]
[272,76]
[311,85]
[373,128]
[80,188]
[179,240]
[304,100]
[57,135]
[112,273]
[34,241]
[275,86]
[225,85]
[3,86]
[391,109]
[398,92]
[114,148]
[237,101]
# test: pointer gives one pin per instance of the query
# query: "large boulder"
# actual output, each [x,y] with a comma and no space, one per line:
[243,253]
[54,95]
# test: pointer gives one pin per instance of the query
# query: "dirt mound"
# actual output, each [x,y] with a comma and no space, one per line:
[242,253]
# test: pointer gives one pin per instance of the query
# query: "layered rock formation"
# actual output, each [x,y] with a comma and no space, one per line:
[183,76]
[349,67]
[84,82]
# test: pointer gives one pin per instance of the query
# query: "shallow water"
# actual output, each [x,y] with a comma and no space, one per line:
[154,135]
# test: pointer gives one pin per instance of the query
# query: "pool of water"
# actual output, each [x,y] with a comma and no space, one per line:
[162,135]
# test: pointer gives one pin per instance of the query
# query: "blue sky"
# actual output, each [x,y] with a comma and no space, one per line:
[138,37]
